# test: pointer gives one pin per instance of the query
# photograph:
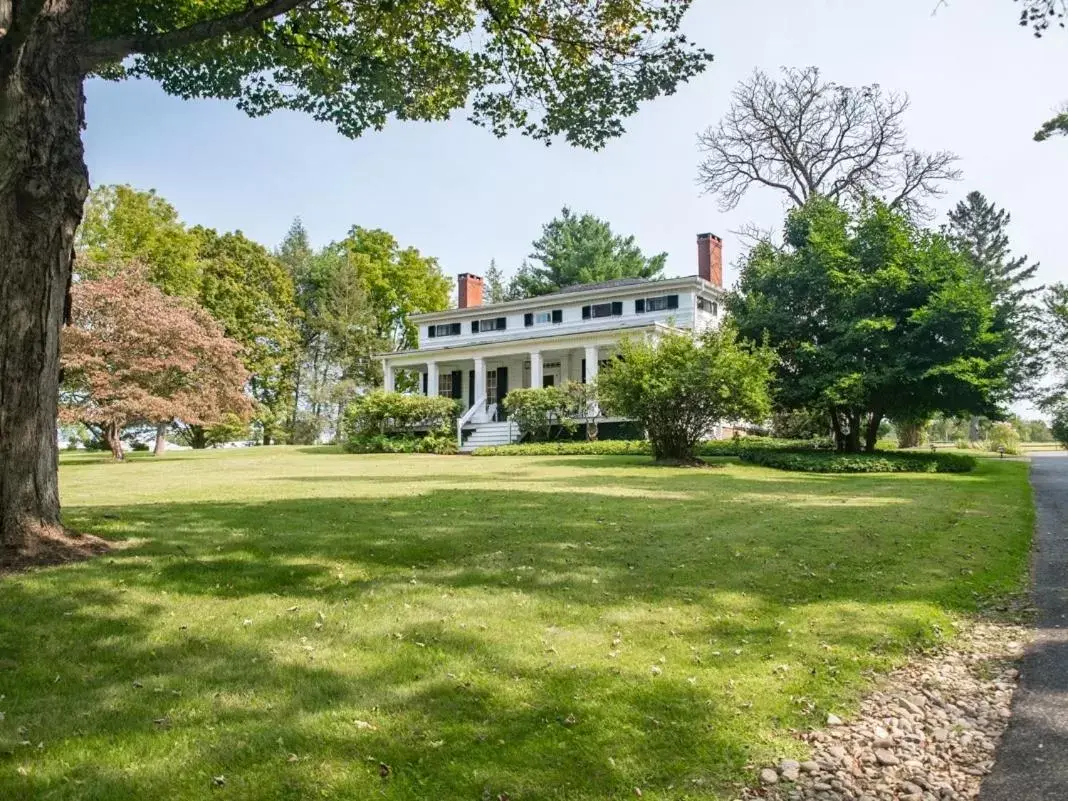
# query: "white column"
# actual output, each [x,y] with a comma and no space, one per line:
[535,369]
[431,379]
[390,374]
[565,367]
[591,363]
[480,380]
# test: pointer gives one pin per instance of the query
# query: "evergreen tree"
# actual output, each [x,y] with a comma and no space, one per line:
[496,291]
[978,228]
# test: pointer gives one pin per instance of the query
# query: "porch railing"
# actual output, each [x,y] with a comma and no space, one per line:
[465,418]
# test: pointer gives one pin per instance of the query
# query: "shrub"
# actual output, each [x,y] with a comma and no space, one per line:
[1004,438]
[538,410]
[834,462]
[681,385]
[384,412]
[1059,426]
[434,442]
[710,448]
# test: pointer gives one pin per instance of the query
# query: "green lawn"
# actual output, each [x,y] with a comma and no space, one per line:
[294,621]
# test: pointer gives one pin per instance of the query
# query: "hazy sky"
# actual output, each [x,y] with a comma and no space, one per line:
[979,84]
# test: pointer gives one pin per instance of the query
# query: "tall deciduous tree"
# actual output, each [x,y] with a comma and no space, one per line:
[872,318]
[123,225]
[554,69]
[252,295]
[133,354]
[582,249]
[803,135]
[980,230]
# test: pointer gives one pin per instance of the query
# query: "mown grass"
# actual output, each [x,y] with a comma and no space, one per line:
[287,624]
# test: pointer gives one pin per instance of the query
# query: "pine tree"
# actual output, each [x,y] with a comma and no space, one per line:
[979,230]
[496,292]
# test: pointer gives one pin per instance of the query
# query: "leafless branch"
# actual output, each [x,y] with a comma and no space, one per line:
[104,51]
[803,135]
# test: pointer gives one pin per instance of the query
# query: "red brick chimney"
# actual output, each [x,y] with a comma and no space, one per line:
[469,292]
[710,258]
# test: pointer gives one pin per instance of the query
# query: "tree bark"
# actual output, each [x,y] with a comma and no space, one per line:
[161,439]
[113,437]
[871,435]
[43,184]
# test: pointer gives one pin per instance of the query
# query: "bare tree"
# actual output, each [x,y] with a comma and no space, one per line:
[803,135]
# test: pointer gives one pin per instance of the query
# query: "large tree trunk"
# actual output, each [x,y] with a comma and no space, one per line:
[43,183]
[161,439]
[113,437]
[871,435]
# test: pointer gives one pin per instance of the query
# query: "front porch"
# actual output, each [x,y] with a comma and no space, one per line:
[481,381]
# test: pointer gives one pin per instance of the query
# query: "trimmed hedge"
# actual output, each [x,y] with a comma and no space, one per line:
[886,462]
[434,442]
[713,447]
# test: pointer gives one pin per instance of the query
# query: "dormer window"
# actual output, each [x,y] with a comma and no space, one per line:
[658,303]
[490,324]
[553,317]
[444,330]
[613,309]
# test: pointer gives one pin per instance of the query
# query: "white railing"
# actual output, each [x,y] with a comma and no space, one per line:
[465,418]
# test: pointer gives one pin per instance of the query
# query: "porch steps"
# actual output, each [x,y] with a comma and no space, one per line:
[487,434]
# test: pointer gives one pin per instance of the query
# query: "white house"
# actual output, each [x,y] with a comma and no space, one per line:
[476,353]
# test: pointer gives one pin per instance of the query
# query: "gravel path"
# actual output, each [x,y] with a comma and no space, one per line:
[927,734]
[1032,761]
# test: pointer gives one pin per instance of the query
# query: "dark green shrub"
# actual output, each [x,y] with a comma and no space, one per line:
[537,411]
[434,442]
[834,462]
[391,422]
[605,447]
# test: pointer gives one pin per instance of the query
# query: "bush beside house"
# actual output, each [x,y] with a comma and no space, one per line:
[392,422]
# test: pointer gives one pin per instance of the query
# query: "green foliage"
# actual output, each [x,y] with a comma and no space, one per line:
[1055,126]
[799,423]
[1003,438]
[710,448]
[496,291]
[121,224]
[231,429]
[1055,323]
[440,442]
[681,384]
[871,317]
[581,249]
[827,462]
[547,69]
[538,410]
[384,412]
[1059,426]
[979,229]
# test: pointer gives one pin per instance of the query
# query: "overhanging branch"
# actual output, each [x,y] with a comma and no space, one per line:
[103,51]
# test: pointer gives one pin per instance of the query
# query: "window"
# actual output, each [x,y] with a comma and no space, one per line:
[660,303]
[443,330]
[708,305]
[492,324]
[543,318]
[445,385]
[613,309]
[491,386]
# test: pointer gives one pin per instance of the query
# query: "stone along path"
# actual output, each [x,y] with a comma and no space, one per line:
[1032,759]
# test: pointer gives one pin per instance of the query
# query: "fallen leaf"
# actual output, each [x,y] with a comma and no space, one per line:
[384,770]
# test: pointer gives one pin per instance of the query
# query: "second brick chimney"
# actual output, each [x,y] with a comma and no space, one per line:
[710,258]
[469,290]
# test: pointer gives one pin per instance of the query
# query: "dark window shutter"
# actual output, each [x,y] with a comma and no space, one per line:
[474,326]
[558,315]
[425,384]
[502,323]
[583,371]
[617,308]
[471,388]
[457,384]
[673,301]
[502,383]
[456,329]
[528,319]
[431,331]
[585,312]
[639,306]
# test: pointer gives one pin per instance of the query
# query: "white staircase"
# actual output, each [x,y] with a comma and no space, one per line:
[487,434]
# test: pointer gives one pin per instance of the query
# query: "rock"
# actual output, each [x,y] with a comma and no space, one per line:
[837,751]
[790,770]
[885,757]
[834,720]
[810,767]
[769,776]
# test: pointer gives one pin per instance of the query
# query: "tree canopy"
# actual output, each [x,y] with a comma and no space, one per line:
[872,317]
[133,354]
[581,249]
[803,135]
